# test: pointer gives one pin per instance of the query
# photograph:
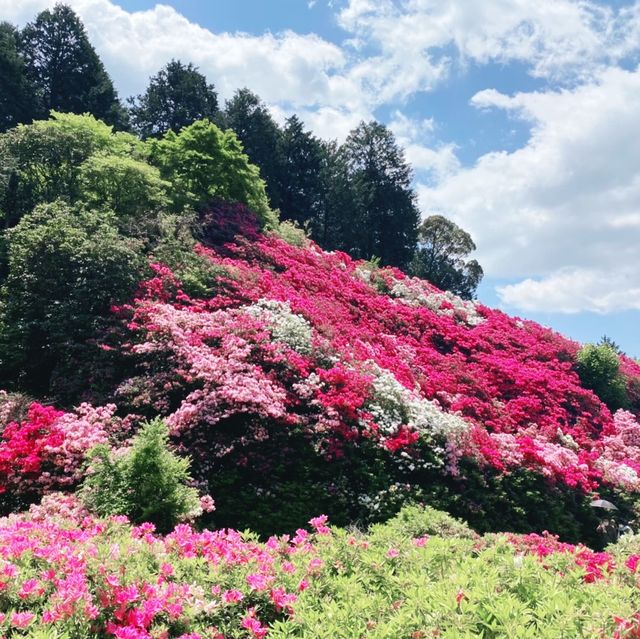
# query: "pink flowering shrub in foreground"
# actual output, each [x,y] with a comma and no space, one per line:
[105,578]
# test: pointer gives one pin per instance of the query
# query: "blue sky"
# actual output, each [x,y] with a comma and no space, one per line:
[521,119]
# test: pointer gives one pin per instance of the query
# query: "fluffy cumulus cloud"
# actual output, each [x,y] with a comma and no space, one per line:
[565,207]
[287,67]
[416,42]
[573,290]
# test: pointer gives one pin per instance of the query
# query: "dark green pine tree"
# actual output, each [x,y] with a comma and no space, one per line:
[17,96]
[176,97]
[65,68]
[301,184]
[334,228]
[386,214]
[260,135]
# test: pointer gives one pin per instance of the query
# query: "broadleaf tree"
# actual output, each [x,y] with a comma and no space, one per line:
[441,257]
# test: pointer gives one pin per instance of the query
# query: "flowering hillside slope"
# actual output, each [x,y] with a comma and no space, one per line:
[306,375]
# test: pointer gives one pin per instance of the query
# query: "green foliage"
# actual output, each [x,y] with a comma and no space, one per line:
[292,233]
[65,69]
[43,161]
[66,267]
[441,258]
[202,163]
[17,98]
[176,97]
[383,587]
[301,182]
[249,118]
[599,369]
[146,482]
[129,187]
[174,246]
[417,521]
[385,217]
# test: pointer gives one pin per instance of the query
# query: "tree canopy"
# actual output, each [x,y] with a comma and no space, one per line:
[65,69]
[17,94]
[177,96]
[203,163]
[441,257]
[385,213]
[260,136]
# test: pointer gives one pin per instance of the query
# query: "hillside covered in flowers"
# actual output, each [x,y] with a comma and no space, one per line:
[300,381]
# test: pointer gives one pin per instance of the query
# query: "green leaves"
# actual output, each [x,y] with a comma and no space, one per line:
[202,163]
[598,366]
[147,482]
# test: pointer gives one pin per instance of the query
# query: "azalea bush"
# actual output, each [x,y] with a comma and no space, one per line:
[64,574]
[304,361]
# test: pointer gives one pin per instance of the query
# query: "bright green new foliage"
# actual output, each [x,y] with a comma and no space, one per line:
[41,162]
[125,185]
[202,163]
[599,370]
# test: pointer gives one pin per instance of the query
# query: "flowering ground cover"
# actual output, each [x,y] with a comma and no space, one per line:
[64,574]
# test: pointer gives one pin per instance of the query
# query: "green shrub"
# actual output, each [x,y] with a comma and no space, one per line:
[417,521]
[292,233]
[599,369]
[66,267]
[146,482]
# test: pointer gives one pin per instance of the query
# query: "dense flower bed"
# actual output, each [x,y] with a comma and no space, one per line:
[302,343]
[86,578]
[347,352]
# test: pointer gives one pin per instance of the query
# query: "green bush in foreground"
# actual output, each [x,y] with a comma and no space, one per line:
[147,482]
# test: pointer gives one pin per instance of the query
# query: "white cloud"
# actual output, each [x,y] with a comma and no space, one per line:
[562,212]
[568,199]
[430,160]
[417,41]
[575,291]
[286,67]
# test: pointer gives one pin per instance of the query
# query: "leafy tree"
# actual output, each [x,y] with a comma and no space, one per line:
[386,214]
[260,135]
[598,366]
[301,185]
[148,483]
[66,267]
[441,257]
[42,161]
[65,68]
[17,96]
[129,187]
[177,96]
[204,163]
